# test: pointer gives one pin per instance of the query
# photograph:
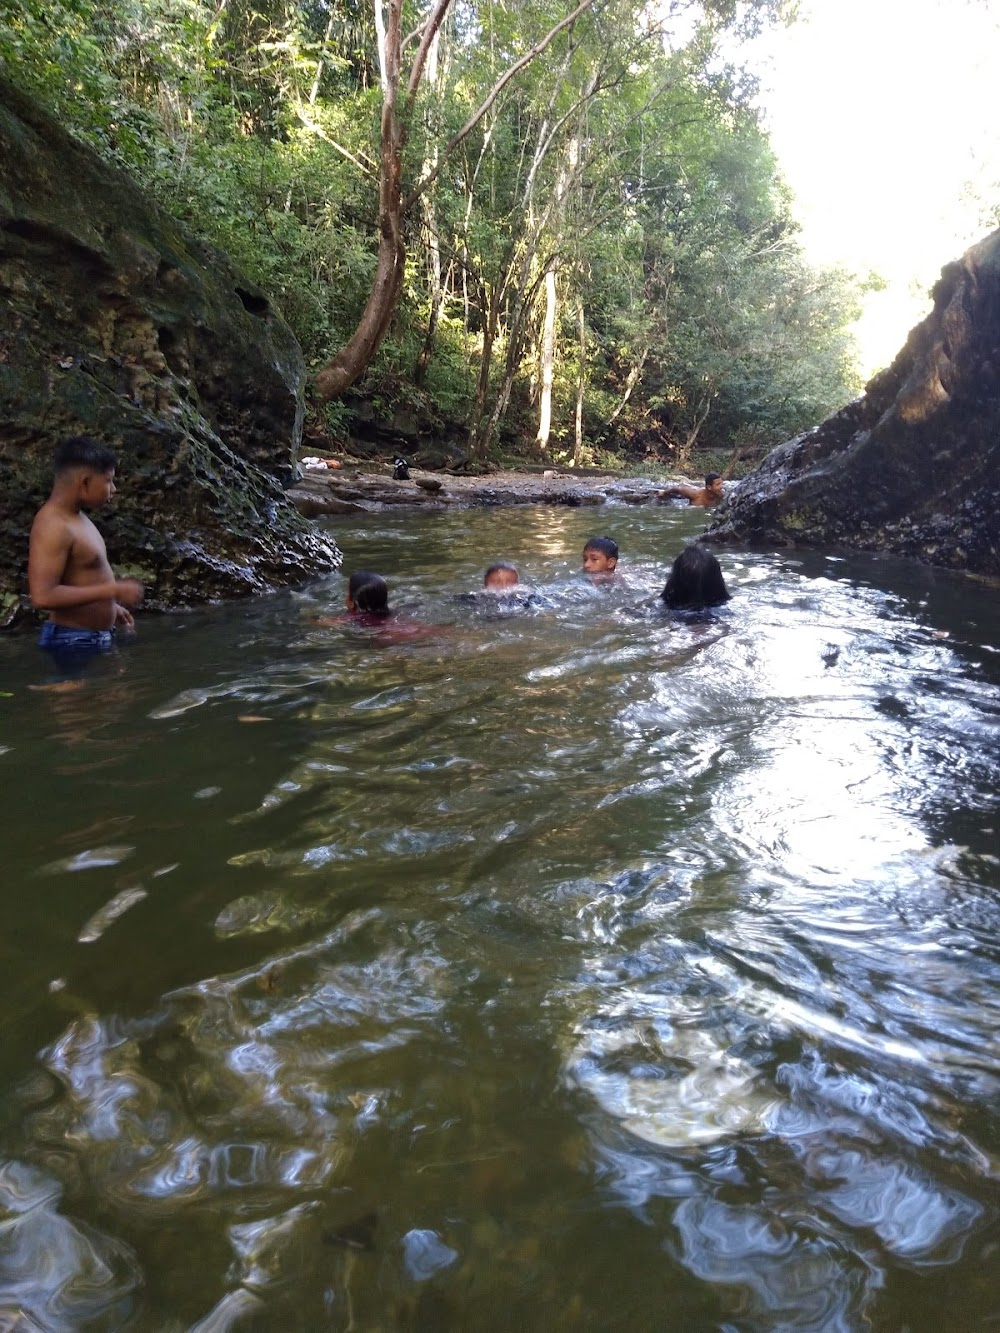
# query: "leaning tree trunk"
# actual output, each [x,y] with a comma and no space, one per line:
[631,381]
[354,357]
[701,417]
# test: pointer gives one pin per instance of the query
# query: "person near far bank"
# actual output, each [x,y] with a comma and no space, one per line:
[68,571]
[695,581]
[709,494]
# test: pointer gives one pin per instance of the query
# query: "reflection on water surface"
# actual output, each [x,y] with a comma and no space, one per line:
[569,967]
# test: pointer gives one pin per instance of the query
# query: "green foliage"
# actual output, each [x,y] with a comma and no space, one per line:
[53,47]
[642,177]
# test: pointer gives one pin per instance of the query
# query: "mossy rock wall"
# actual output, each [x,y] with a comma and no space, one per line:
[913,466]
[115,323]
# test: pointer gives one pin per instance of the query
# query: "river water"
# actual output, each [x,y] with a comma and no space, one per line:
[566,967]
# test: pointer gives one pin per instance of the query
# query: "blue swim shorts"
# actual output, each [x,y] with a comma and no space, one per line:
[70,649]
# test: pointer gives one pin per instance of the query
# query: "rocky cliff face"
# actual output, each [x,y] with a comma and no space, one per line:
[914,465]
[115,323]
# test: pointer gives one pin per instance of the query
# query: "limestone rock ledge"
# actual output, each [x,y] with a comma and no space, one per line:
[913,466]
[114,322]
[356,488]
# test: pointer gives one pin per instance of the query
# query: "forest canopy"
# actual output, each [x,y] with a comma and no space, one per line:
[594,252]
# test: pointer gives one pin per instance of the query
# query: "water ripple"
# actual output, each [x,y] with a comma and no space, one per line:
[59,1273]
[556,969]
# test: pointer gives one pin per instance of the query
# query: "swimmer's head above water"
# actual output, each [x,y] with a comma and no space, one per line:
[501,576]
[367,593]
[600,556]
[695,580]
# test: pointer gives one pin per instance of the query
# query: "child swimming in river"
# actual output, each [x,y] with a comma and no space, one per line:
[695,581]
[507,593]
[367,601]
[367,594]
[600,557]
[368,608]
[501,577]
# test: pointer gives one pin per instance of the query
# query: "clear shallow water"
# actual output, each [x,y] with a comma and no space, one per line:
[570,968]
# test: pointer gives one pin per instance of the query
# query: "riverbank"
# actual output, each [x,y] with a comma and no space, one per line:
[367,487]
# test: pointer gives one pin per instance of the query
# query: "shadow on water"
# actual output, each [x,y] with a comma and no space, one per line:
[566,967]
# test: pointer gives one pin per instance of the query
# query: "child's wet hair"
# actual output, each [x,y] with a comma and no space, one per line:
[369,592]
[501,567]
[606,545]
[695,580]
[83,451]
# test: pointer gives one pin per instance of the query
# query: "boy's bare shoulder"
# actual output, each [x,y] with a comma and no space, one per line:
[51,524]
[45,517]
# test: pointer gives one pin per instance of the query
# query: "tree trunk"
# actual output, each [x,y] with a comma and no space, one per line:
[485,437]
[432,237]
[354,358]
[524,290]
[492,320]
[423,360]
[700,418]
[581,380]
[631,381]
[547,359]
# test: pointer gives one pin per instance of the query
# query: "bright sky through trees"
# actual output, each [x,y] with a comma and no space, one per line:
[883,115]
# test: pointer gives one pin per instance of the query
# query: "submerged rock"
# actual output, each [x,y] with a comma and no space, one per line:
[114,322]
[425,1253]
[913,466]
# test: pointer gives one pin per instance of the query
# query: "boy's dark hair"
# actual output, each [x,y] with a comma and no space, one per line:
[83,451]
[500,566]
[712,476]
[606,545]
[369,592]
[695,580]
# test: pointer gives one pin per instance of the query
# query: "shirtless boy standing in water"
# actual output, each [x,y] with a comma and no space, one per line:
[68,571]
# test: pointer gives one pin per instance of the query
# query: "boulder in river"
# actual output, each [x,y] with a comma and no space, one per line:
[115,322]
[913,466]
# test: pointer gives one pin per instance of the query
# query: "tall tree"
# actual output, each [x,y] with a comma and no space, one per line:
[353,359]
[602,229]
